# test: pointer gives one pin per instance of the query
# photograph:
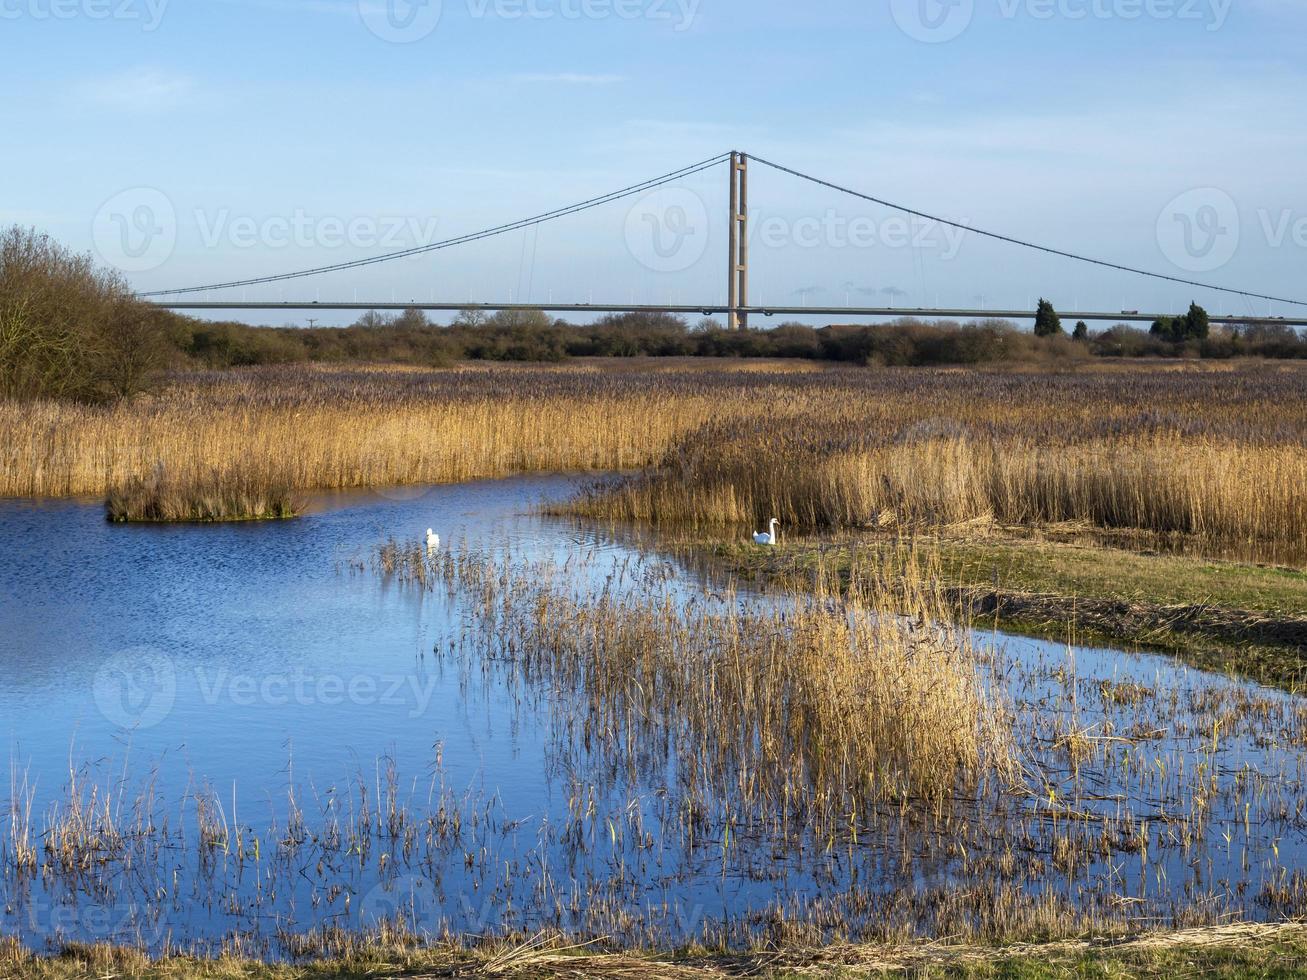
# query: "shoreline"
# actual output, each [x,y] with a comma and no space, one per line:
[1217,616]
[1236,950]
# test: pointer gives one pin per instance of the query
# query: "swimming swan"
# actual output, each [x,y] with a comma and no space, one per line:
[433,540]
[772,539]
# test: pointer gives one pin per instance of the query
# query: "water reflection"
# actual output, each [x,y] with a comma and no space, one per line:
[235,683]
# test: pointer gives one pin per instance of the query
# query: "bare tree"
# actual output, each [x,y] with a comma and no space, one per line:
[471,316]
[413,318]
[373,319]
[133,346]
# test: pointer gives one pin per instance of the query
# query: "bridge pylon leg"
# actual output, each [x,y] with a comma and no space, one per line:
[737,283]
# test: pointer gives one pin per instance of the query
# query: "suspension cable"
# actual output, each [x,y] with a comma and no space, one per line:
[462,239]
[1024,244]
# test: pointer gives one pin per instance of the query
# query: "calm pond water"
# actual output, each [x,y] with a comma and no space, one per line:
[258,689]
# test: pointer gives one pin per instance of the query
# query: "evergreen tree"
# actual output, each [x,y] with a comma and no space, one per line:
[1165,328]
[1082,331]
[1194,325]
[1047,322]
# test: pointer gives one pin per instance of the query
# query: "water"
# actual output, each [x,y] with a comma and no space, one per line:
[239,676]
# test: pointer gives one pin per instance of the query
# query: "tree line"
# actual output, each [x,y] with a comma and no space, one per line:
[71,330]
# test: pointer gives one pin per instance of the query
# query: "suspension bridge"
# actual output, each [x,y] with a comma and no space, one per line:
[737,306]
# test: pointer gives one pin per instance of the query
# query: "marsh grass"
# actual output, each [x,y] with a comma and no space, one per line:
[811,707]
[1228,951]
[871,777]
[1212,458]
[1196,492]
[20,849]
[237,493]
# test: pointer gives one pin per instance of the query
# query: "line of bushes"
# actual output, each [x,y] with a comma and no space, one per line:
[71,330]
[532,336]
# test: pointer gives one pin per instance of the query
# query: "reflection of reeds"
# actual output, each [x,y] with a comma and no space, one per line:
[813,707]
[19,848]
[85,833]
[232,494]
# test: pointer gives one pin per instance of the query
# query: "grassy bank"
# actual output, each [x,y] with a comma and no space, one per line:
[1225,616]
[1233,952]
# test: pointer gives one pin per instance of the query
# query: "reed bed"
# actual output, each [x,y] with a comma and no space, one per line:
[234,493]
[815,708]
[1215,455]
[724,770]
[1220,495]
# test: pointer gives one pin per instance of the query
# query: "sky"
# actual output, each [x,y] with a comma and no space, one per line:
[189,142]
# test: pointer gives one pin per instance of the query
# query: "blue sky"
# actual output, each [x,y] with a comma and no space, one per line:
[200,141]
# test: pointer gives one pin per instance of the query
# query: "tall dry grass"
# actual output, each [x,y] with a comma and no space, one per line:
[1217,453]
[814,708]
[1243,497]
[233,493]
[346,428]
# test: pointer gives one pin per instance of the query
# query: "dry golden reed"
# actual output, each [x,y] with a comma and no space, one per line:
[234,493]
[1214,453]
[816,708]
[1226,494]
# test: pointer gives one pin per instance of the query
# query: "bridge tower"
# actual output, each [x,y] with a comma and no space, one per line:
[737,284]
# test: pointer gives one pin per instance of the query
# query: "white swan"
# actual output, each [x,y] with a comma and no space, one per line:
[433,540]
[773,538]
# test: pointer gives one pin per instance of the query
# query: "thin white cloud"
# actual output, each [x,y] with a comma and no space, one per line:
[349,8]
[569,78]
[141,90]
